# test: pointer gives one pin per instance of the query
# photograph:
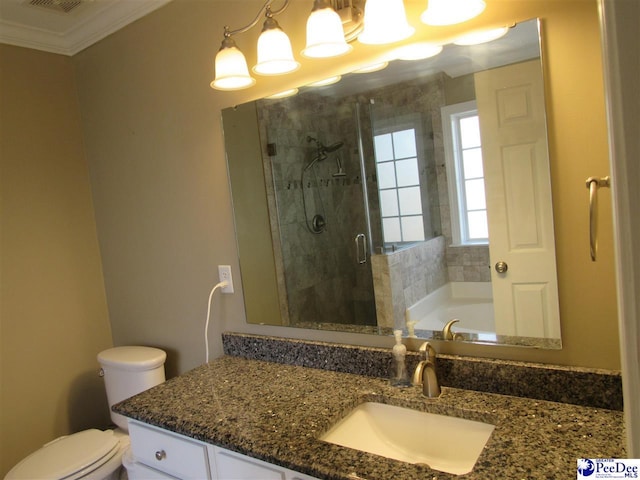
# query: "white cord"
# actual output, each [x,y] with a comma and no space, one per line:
[206,324]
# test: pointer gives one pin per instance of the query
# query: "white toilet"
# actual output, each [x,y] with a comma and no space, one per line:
[96,454]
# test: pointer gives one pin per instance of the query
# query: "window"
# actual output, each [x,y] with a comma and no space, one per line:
[399,186]
[465,175]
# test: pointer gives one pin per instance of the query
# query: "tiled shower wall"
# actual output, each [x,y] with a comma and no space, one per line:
[468,264]
[322,277]
[403,277]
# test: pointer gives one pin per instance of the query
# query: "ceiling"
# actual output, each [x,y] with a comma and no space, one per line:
[67,26]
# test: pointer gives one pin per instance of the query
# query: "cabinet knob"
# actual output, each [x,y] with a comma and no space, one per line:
[161,454]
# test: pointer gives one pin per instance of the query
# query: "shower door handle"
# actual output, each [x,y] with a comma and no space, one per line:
[361,248]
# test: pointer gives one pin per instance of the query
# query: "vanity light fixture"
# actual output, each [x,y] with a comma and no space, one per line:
[275,56]
[325,35]
[450,12]
[231,68]
[481,36]
[385,21]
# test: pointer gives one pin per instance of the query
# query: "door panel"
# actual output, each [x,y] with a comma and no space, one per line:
[518,188]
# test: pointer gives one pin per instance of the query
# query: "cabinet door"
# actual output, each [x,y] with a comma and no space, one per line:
[174,454]
[234,466]
[138,471]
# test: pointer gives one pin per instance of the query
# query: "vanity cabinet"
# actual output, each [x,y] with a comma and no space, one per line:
[234,466]
[162,455]
[176,455]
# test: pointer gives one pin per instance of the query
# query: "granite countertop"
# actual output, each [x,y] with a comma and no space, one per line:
[276,413]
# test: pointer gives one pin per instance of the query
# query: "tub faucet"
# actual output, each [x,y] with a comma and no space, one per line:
[425,373]
[449,334]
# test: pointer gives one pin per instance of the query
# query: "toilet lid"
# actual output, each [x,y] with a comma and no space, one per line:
[68,457]
[132,358]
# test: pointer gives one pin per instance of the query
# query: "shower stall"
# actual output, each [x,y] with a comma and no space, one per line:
[340,198]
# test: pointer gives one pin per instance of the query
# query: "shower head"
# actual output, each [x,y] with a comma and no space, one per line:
[322,149]
[332,148]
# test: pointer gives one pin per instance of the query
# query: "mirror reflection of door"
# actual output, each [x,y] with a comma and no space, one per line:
[510,103]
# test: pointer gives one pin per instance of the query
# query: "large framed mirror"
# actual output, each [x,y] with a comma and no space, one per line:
[415,197]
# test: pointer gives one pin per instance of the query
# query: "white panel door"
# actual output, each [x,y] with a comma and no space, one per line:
[518,188]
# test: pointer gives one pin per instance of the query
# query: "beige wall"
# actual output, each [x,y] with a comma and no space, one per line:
[156,158]
[54,317]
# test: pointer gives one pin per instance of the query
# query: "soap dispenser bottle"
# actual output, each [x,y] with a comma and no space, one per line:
[399,373]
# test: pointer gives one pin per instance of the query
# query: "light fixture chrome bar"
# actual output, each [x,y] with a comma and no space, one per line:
[274,52]
[267,6]
[351,13]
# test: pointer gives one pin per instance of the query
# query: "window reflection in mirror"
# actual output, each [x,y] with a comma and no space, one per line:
[463,154]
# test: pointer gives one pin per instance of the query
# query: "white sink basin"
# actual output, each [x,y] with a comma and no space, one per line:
[448,444]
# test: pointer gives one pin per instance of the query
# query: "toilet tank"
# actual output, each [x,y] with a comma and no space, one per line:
[128,371]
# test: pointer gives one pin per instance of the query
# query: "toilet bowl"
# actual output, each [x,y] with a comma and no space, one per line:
[95,454]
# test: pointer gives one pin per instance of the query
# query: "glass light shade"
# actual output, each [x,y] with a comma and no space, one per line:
[385,21]
[417,51]
[325,36]
[483,36]
[231,68]
[450,12]
[275,55]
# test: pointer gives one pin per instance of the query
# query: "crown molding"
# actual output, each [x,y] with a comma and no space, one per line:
[100,23]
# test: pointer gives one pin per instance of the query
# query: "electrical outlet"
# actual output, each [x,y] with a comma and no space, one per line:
[224,273]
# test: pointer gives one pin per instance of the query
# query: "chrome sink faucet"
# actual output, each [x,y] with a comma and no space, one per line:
[425,373]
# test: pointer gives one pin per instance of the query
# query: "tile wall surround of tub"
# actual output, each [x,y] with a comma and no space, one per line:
[574,385]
